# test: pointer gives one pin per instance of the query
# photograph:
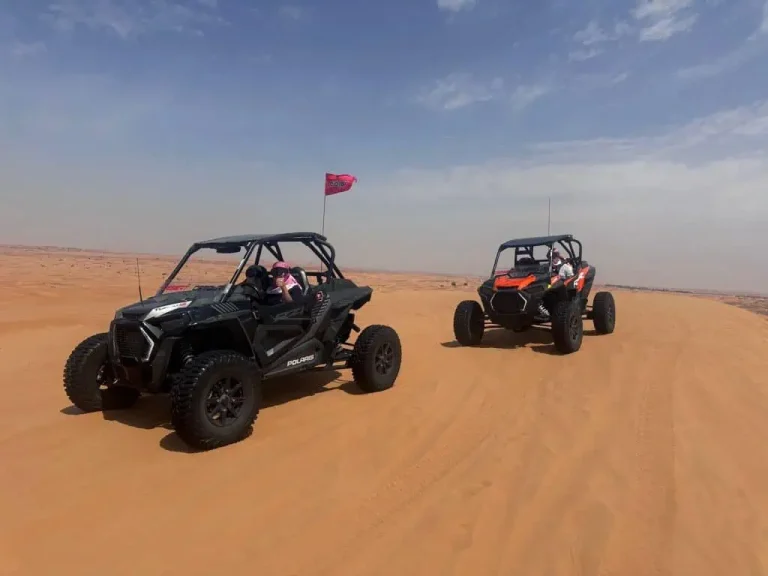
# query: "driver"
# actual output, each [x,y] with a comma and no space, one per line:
[283,288]
[560,266]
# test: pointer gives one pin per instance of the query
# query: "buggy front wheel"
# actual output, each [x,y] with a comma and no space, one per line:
[376,358]
[567,326]
[468,323]
[216,399]
[89,380]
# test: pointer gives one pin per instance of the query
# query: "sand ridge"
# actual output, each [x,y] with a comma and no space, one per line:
[641,454]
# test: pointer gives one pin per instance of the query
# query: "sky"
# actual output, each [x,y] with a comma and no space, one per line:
[144,125]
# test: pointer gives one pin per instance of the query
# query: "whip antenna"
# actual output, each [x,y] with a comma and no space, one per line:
[138,277]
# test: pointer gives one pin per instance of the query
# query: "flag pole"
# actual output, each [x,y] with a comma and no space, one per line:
[325,198]
[322,231]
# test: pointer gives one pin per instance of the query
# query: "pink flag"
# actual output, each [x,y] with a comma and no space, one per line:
[337,183]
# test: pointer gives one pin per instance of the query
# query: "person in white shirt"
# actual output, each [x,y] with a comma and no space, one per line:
[563,268]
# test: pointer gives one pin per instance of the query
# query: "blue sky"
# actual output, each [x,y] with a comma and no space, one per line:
[145,125]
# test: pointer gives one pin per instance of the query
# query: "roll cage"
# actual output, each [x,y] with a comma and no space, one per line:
[258,243]
[524,249]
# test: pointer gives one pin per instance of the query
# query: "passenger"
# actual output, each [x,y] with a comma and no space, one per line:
[563,268]
[284,288]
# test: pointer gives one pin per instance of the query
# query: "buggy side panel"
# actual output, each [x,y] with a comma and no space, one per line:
[301,357]
[340,325]
[345,293]
[216,334]
[298,331]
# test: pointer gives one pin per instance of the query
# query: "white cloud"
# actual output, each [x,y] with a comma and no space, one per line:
[456,5]
[524,96]
[594,34]
[583,55]
[746,51]
[664,18]
[27,49]
[292,12]
[756,44]
[737,132]
[619,78]
[667,27]
[590,35]
[615,168]
[130,18]
[660,8]
[458,90]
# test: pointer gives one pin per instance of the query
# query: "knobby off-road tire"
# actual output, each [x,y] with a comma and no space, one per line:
[376,358]
[604,313]
[236,383]
[567,326]
[468,323]
[88,369]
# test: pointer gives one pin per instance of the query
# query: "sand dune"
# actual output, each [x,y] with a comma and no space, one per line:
[642,454]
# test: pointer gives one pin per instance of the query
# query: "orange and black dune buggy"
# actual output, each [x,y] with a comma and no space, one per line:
[541,287]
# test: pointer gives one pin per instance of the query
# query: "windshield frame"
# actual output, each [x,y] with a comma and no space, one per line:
[322,249]
[566,245]
[224,292]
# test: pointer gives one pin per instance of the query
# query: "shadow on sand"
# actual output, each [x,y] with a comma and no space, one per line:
[536,339]
[152,412]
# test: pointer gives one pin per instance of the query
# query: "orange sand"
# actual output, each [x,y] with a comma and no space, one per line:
[642,454]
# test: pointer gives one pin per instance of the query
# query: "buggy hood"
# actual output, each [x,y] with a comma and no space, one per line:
[158,306]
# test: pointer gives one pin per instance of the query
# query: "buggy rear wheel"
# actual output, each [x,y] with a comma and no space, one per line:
[216,399]
[376,358]
[468,323]
[89,380]
[604,313]
[567,326]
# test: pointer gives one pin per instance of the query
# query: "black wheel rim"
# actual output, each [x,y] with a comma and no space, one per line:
[574,327]
[610,313]
[104,377]
[384,359]
[225,401]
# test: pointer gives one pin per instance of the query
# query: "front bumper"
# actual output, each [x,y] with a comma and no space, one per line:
[139,357]
[510,302]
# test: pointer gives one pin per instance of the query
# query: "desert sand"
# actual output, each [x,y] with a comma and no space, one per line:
[642,454]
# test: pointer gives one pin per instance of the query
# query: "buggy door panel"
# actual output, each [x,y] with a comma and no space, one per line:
[280,325]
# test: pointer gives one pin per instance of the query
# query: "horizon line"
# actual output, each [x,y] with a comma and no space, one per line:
[53,248]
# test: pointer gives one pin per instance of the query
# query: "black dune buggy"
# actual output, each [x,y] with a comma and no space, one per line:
[531,293]
[211,346]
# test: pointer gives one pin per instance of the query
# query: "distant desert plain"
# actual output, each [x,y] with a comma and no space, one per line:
[641,454]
